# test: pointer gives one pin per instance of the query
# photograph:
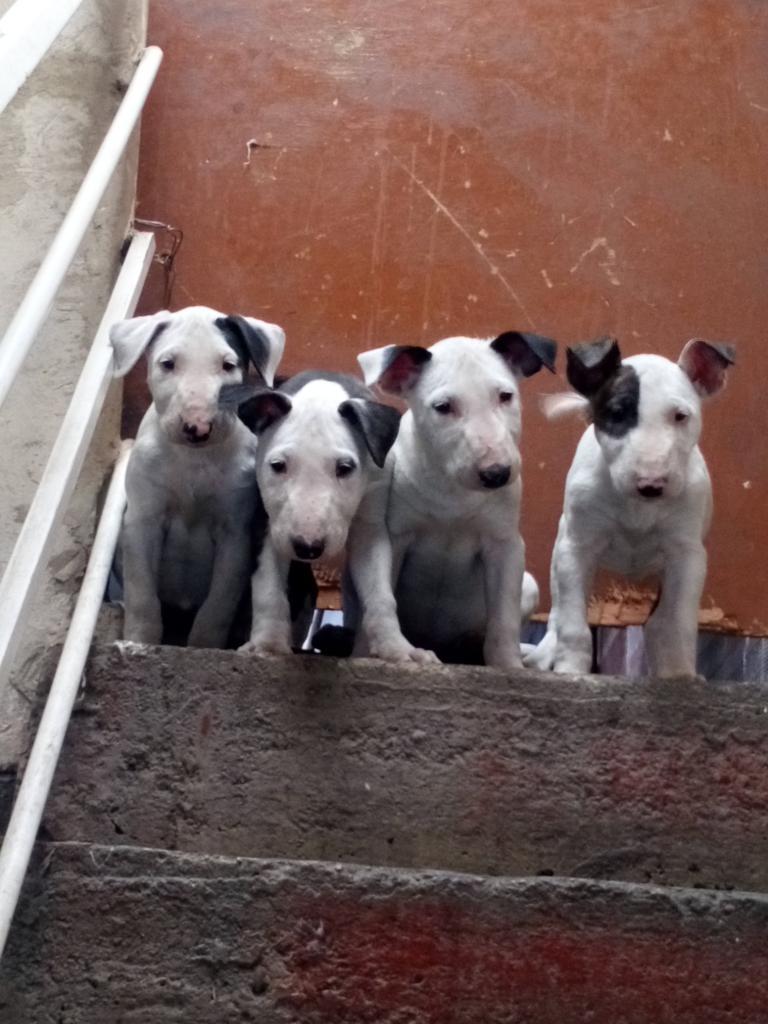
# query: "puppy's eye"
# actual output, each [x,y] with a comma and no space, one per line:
[228,366]
[167,364]
[344,468]
[444,407]
[505,397]
[278,466]
[681,417]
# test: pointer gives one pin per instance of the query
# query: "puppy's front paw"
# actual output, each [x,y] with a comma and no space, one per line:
[573,664]
[400,651]
[505,657]
[265,645]
[680,676]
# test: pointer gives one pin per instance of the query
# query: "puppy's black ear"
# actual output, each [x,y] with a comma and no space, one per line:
[375,422]
[258,409]
[526,353]
[706,363]
[591,365]
[256,341]
[395,368]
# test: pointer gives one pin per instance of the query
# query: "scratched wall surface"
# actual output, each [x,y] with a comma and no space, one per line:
[389,172]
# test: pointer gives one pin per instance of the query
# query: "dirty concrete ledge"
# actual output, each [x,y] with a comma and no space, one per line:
[145,935]
[452,768]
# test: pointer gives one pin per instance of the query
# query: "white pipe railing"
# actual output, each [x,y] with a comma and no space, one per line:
[36,783]
[38,300]
[30,554]
[27,31]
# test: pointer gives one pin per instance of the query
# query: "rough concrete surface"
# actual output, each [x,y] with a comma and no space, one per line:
[48,136]
[455,768]
[147,937]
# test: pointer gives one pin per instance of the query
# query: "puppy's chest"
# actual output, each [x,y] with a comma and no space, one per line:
[635,553]
[207,496]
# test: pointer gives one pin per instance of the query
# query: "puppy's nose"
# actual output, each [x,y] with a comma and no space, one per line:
[195,433]
[306,550]
[651,486]
[495,475]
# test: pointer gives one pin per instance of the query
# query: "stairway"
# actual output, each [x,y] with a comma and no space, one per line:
[304,840]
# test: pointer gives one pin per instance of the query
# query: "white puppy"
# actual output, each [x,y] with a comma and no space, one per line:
[191,483]
[322,442]
[435,556]
[638,499]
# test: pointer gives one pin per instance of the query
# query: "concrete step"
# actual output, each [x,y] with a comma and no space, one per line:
[150,937]
[450,768]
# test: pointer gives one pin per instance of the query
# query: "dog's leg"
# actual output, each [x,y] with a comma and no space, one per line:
[271,622]
[672,631]
[229,579]
[573,570]
[503,564]
[374,559]
[142,541]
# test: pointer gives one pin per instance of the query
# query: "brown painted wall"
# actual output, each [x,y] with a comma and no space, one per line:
[422,170]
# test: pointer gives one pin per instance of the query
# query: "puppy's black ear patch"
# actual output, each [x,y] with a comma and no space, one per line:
[526,353]
[232,396]
[261,409]
[375,422]
[250,343]
[590,366]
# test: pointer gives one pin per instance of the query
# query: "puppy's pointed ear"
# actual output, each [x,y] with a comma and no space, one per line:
[395,368]
[591,365]
[377,424]
[131,338]
[261,409]
[706,363]
[525,354]
[256,341]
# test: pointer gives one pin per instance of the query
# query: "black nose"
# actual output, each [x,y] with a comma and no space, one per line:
[306,551]
[495,475]
[195,434]
[650,492]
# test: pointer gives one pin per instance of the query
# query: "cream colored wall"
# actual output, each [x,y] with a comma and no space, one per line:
[48,136]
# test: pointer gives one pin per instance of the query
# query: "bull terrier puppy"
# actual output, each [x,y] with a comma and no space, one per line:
[638,498]
[322,442]
[435,556]
[191,480]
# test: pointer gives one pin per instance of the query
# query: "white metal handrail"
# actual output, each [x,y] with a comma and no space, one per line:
[27,31]
[38,300]
[36,783]
[29,556]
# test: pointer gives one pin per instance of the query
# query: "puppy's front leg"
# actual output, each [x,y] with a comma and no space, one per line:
[372,566]
[141,542]
[573,567]
[271,621]
[672,631]
[228,581]
[503,564]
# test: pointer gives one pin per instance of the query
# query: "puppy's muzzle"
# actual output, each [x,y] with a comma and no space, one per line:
[495,476]
[306,550]
[196,434]
[651,487]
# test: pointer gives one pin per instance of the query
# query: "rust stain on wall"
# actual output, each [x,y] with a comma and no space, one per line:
[374,173]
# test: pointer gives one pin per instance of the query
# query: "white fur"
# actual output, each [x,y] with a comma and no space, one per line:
[185,537]
[306,501]
[607,524]
[449,547]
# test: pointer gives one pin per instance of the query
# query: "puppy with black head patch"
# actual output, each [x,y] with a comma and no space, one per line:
[323,440]
[190,483]
[638,498]
[436,556]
